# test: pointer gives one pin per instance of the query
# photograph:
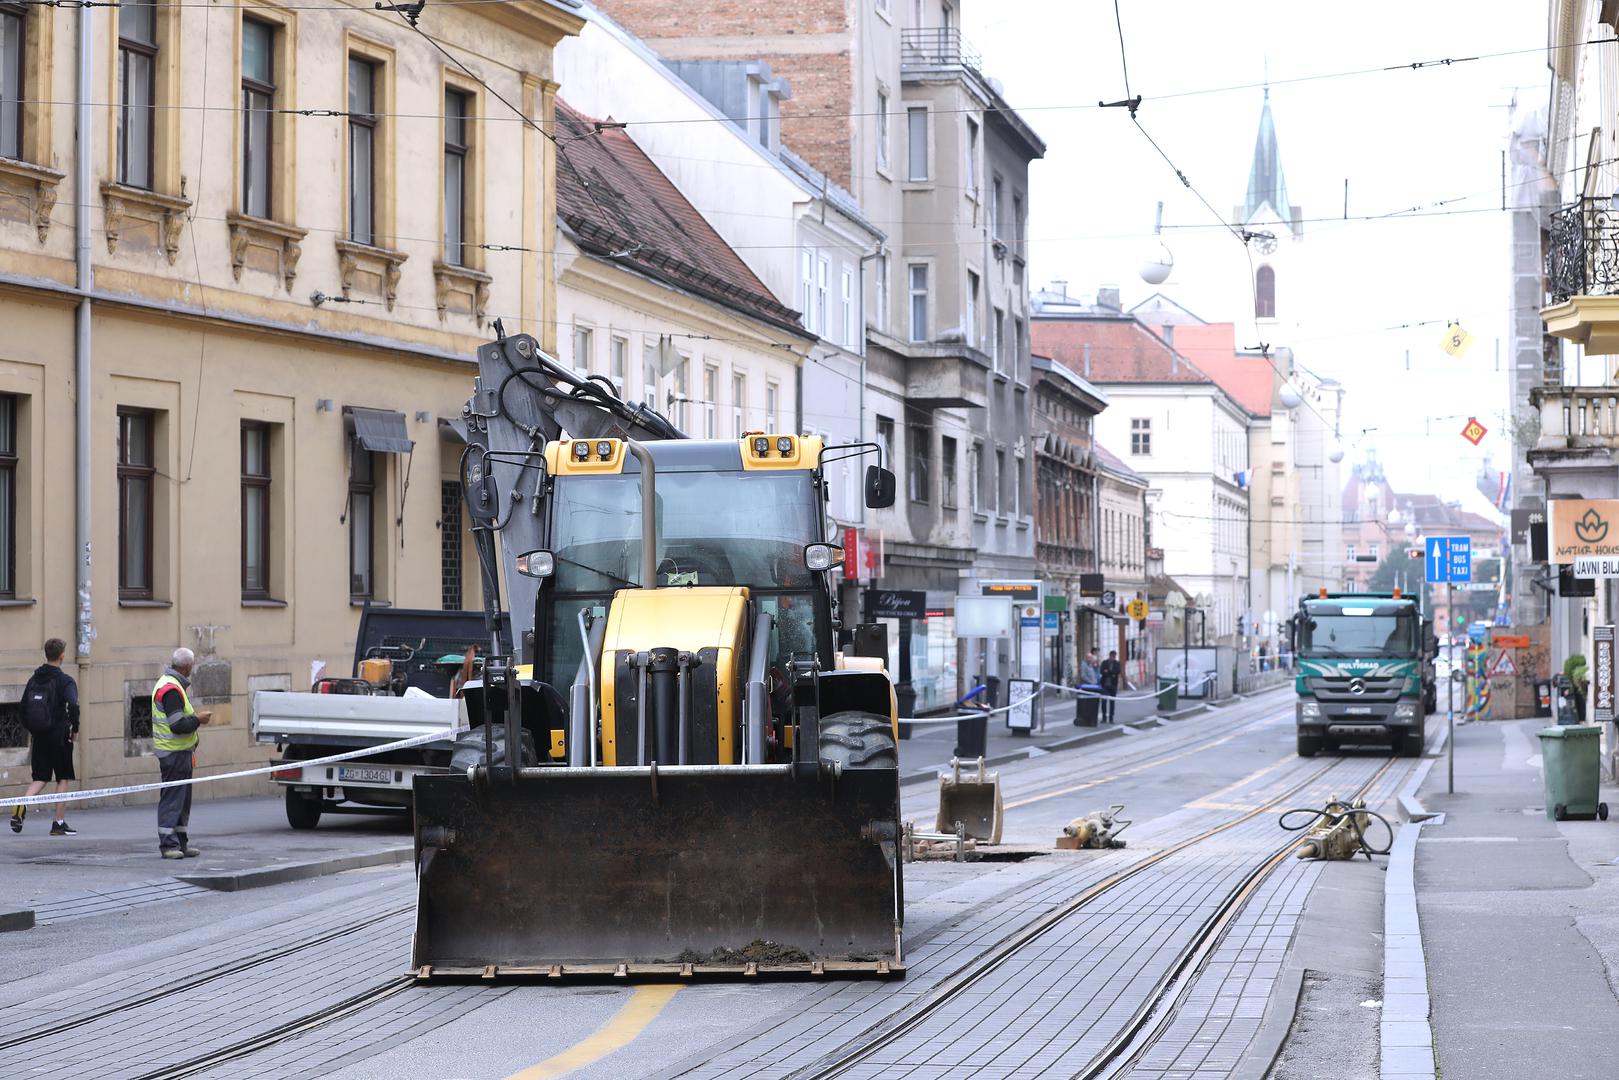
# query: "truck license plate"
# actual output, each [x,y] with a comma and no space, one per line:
[364,776]
[1359,710]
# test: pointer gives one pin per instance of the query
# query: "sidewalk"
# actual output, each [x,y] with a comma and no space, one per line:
[1519,917]
[116,848]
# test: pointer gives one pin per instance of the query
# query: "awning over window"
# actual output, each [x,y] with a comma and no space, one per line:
[380,430]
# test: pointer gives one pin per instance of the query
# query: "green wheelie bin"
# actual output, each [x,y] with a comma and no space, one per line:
[1569,756]
[1168,694]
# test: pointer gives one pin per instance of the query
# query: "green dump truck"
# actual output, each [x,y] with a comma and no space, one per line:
[1364,666]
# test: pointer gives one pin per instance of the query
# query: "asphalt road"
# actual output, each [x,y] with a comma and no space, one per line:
[1171,780]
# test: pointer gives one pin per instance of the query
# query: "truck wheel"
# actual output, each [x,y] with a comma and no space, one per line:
[1410,744]
[1309,745]
[858,740]
[1560,812]
[303,811]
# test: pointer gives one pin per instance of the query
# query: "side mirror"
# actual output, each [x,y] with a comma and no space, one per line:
[537,564]
[822,556]
[879,487]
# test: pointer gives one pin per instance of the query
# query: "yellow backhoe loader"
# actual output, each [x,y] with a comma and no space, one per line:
[674,771]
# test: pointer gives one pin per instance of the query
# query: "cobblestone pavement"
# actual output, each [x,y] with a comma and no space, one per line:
[1046,1009]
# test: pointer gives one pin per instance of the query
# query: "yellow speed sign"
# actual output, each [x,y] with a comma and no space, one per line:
[1138,610]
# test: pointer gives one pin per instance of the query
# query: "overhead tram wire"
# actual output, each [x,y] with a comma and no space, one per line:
[1403,66]
[1240,234]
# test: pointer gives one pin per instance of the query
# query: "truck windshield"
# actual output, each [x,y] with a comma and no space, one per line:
[1357,630]
[728,528]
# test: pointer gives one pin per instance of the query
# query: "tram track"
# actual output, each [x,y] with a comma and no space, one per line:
[1134,763]
[196,979]
[1149,1019]
[1124,1052]
[264,1040]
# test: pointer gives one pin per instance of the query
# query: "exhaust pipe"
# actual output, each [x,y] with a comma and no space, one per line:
[758,703]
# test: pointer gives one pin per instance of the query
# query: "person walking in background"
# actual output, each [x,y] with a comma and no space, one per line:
[174,737]
[50,713]
[1110,672]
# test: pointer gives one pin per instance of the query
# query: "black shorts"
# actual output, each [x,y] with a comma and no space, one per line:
[53,758]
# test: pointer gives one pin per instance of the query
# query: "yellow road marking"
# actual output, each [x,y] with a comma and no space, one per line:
[1122,773]
[619,1031]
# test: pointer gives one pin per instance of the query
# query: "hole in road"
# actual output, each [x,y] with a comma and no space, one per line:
[992,855]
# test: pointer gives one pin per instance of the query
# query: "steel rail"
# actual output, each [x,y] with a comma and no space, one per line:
[1147,1025]
[196,979]
[889,1029]
[363,1000]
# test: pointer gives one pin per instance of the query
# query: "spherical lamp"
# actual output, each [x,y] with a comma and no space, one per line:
[1291,398]
[1336,454]
[1157,264]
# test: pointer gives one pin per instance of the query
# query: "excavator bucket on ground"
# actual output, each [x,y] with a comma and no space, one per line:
[973,801]
[659,871]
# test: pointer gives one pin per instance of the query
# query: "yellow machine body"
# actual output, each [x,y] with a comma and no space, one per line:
[695,620]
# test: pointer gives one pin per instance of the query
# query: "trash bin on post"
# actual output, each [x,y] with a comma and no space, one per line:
[1569,755]
[1168,694]
[1088,707]
[972,732]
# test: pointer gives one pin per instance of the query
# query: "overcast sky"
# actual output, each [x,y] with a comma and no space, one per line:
[1400,138]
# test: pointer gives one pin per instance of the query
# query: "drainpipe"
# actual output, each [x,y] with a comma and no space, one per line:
[84,278]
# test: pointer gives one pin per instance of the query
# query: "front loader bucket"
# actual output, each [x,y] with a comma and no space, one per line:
[679,870]
[973,801]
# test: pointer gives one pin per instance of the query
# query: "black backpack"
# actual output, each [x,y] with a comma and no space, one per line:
[40,707]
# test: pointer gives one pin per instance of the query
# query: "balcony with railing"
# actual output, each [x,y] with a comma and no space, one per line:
[1582,275]
[1574,418]
[935,47]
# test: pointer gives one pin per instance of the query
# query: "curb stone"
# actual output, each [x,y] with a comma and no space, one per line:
[16,919]
[237,880]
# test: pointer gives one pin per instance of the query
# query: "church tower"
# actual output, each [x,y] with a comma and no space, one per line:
[1266,210]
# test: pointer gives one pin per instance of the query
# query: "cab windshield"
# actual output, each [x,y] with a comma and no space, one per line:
[728,528]
[1351,630]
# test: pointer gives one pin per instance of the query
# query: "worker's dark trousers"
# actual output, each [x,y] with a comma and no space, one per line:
[1108,704]
[174,803]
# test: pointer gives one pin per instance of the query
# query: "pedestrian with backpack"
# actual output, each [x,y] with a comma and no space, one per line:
[50,713]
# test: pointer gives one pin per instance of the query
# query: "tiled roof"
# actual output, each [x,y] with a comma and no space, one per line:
[615,199]
[1121,350]
[1109,461]
[1247,377]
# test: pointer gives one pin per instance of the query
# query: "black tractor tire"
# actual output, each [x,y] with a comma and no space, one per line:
[858,740]
[1560,812]
[1309,745]
[1410,744]
[303,811]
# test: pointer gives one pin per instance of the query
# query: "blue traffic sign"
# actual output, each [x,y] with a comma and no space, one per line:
[1447,558]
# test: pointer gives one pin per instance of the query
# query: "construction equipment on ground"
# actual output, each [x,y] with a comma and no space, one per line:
[1097,829]
[972,802]
[1337,830]
[933,846]
[672,769]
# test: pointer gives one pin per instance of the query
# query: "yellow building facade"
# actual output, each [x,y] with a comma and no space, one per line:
[297,225]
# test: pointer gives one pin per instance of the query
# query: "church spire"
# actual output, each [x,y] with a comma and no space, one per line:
[1266,187]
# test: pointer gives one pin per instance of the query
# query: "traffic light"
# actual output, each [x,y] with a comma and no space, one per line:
[1461,622]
